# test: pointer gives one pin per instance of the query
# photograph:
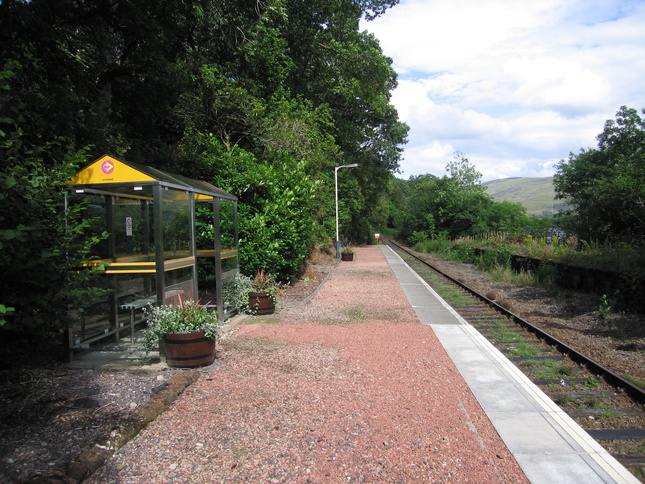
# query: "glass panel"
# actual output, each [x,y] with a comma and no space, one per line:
[179,283]
[96,214]
[229,292]
[132,228]
[229,264]
[134,287]
[226,225]
[204,230]
[206,276]
[92,320]
[177,239]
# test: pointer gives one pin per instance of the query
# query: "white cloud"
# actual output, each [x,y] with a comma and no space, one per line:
[513,85]
[547,82]
[431,158]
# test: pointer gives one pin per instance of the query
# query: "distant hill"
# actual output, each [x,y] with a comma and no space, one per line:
[537,195]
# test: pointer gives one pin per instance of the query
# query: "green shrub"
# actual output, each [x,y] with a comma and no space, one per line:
[437,246]
[41,249]
[418,238]
[547,274]
[463,253]
[495,257]
[41,244]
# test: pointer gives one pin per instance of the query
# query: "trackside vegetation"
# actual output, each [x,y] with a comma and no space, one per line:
[603,230]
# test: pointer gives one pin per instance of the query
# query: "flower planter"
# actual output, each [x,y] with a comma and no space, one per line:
[261,303]
[189,350]
[347,256]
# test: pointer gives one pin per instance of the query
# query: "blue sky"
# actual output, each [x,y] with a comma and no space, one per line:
[515,85]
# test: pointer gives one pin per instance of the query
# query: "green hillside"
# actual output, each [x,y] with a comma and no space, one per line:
[536,194]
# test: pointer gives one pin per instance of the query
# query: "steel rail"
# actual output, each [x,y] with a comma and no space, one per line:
[633,390]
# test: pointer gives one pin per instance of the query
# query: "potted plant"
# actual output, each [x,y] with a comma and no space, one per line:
[187,331]
[347,254]
[263,296]
[235,291]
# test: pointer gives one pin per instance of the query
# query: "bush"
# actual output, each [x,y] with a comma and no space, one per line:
[547,275]
[493,257]
[437,246]
[42,247]
[463,253]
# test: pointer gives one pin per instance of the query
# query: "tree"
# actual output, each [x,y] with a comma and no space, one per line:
[463,173]
[456,205]
[606,185]
[346,70]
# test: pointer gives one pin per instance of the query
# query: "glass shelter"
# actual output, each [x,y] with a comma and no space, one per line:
[168,237]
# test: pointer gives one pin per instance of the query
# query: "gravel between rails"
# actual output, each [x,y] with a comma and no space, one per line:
[347,388]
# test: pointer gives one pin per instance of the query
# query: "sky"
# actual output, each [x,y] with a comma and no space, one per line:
[513,85]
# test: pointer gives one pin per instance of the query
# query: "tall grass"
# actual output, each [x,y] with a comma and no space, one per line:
[440,247]
[507,276]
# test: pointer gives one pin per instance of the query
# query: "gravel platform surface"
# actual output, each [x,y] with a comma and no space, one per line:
[347,388]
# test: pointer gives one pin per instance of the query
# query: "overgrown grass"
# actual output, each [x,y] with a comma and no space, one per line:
[455,298]
[524,350]
[636,381]
[556,372]
[594,403]
[563,400]
[544,363]
[619,257]
[592,382]
[613,256]
[507,336]
[507,276]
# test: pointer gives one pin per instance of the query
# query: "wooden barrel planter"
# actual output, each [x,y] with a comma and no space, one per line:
[347,256]
[189,350]
[261,303]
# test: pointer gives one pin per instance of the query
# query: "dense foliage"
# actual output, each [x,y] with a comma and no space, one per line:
[262,99]
[606,185]
[41,245]
[213,88]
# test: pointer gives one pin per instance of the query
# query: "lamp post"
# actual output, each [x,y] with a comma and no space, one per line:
[353,165]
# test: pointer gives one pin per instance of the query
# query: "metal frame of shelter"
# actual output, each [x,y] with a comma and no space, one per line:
[153,247]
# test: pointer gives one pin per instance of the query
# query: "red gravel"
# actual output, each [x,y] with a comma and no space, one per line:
[349,387]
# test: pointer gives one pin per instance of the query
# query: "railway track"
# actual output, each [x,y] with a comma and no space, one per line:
[610,408]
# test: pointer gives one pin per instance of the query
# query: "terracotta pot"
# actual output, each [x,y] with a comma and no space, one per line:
[347,256]
[261,303]
[189,350]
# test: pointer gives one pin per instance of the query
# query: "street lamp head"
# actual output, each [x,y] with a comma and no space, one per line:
[353,165]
